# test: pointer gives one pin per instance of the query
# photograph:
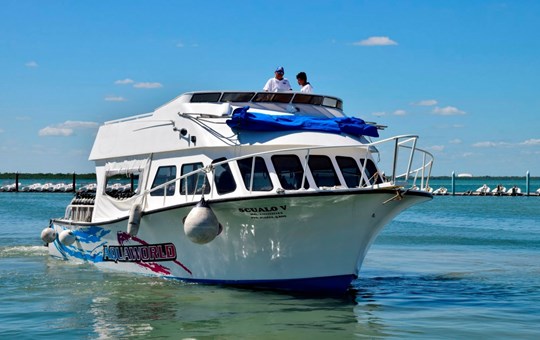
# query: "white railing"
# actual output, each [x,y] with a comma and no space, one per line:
[418,165]
[78,212]
[419,162]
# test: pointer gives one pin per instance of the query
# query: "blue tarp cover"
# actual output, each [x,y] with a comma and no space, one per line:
[243,120]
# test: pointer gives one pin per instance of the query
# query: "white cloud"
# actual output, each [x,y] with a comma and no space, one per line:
[124,81]
[379,114]
[31,64]
[448,111]
[147,85]
[376,41]
[455,141]
[66,128]
[426,102]
[182,45]
[115,99]
[1,130]
[531,142]
[74,124]
[400,113]
[436,148]
[467,154]
[484,145]
[55,131]
[488,144]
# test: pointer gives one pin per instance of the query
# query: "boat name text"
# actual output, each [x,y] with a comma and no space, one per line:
[264,209]
[140,253]
[264,212]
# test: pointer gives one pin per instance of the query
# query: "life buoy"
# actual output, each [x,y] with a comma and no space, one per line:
[66,237]
[134,220]
[201,224]
[48,235]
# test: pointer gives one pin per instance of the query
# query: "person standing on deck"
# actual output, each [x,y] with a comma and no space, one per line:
[302,81]
[278,83]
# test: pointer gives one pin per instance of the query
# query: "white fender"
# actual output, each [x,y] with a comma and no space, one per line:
[201,224]
[48,235]
[134,220]
[66,237]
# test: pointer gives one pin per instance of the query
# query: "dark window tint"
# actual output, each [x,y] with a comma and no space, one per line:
[273,97]
[350,171]
[307,99]
[164,174]
[237,96]
[323,171]
[223,177]
[211,97]
[289,171]
[194,183]
[371,171]
[261,178]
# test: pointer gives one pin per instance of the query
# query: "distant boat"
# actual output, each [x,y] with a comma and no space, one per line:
[9,187]
[466,175]
[499,190]
[483,190]
[514,191]
[441,191]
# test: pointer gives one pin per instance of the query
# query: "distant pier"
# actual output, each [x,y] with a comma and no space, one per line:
[49,186]
[438,185]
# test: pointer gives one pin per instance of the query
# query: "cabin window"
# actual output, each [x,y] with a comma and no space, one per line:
[122,186]
[223,177]
[289,171]
[261,178]
[307,99]
[164,174]
[237,97]
[350,171]
[371,171]
[272,97]
[208,97]
[194,183]
[323,171]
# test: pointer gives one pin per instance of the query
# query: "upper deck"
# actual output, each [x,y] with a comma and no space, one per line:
[197,119]
[296,103]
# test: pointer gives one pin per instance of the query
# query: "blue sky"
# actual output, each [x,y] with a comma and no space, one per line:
[464,75]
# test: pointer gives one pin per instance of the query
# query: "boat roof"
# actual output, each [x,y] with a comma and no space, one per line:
[204,114]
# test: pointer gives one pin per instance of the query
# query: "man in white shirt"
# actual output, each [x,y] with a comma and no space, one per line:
[278,83]
[302,81]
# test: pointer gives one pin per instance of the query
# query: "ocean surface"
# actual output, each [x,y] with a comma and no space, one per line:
[457,267]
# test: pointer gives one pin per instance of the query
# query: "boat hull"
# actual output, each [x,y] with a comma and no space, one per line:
[305,242]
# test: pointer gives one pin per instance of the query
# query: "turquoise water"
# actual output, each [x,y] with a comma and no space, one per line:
[456,267]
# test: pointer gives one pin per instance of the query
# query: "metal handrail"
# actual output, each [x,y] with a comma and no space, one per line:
[400,142]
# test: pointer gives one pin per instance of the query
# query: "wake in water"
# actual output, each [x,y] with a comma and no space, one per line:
[23,251]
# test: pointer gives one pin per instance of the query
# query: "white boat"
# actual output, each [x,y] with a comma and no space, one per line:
[483,190]
[441,191]
[514,191]
[499,190]
[292,206]
[10,187]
